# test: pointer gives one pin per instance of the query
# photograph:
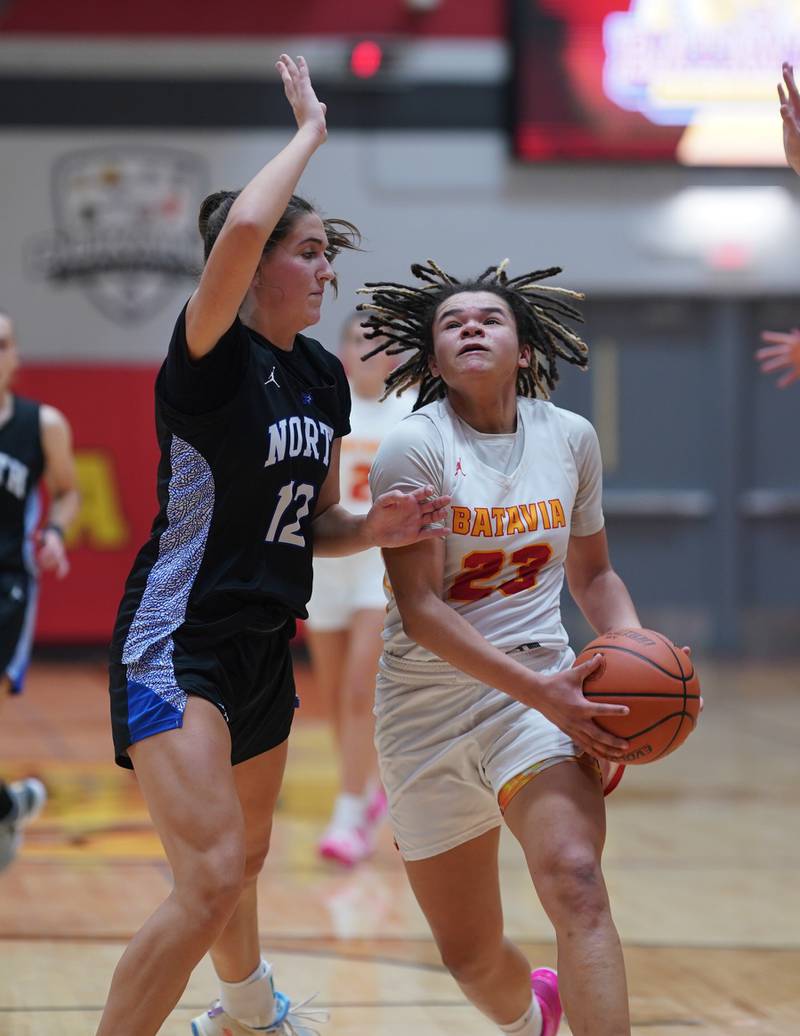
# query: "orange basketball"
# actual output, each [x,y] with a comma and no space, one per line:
[658,683]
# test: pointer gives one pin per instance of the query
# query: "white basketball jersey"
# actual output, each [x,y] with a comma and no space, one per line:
[508,533]
[370,420]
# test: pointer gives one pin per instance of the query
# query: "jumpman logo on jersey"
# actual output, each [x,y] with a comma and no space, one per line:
[272,380]
[459,470]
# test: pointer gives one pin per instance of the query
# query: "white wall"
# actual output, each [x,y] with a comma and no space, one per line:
[455,196]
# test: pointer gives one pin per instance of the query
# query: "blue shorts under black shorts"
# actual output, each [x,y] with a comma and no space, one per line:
[248,676]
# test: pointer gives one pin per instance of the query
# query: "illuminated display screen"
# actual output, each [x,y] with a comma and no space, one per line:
[687,81]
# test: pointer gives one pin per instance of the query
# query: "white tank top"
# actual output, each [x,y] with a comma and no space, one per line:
[508,531]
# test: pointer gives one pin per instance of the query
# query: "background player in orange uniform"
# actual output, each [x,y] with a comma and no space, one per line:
[346,611]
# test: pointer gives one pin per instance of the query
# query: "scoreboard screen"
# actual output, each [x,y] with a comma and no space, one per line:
[673,81]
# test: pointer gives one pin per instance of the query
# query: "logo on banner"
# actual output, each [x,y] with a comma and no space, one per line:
[125,227]
[673,62]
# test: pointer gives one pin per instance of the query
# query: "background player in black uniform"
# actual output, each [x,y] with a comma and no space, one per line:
[35,442]
[249,418]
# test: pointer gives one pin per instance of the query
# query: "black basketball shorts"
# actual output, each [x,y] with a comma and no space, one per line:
[248,677]
[17,621]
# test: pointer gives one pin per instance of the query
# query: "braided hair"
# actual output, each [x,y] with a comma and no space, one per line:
[402,317]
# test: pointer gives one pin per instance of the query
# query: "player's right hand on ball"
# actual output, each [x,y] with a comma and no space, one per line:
[565,705]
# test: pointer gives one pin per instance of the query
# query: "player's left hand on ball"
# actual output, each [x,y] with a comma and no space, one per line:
[563,702]
[398,519]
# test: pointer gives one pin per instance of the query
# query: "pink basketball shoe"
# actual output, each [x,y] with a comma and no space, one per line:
[544,982]
[345,845]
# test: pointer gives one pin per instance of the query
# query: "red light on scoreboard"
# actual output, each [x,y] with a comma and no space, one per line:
[366,59]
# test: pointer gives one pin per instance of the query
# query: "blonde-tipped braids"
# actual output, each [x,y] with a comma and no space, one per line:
[402,316]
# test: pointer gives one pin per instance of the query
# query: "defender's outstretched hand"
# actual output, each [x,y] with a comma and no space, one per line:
[781,354]
[790,113]
[308,110]
[399,519]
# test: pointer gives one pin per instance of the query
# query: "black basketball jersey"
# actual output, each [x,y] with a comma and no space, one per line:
[21,467]
[237,487]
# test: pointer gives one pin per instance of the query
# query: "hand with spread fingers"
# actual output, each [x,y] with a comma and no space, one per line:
[309,111]
[564,704]
[790,113]
[400,519]
[781,355]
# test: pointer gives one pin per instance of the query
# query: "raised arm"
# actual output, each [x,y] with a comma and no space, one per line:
[790,113]
[253,216]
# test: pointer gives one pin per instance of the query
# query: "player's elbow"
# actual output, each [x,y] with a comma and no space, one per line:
[244,227]
[410,621]
[416,620]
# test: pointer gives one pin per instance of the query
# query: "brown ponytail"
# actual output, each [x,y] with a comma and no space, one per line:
[215,208]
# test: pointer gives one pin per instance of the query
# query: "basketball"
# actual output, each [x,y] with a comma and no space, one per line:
[655,679]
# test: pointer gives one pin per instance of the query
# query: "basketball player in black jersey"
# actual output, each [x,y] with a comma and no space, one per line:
[250,415]
[35,443]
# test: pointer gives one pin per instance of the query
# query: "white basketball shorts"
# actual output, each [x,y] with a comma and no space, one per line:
[343,586]
[447,744]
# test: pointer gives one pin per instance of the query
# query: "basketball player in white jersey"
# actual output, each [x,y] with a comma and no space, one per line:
[347,608]
[480,716]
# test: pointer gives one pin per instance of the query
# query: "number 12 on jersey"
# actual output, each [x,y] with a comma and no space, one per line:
[289,532]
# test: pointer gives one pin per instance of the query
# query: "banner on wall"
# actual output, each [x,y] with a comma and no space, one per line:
[125,227]
[110,409]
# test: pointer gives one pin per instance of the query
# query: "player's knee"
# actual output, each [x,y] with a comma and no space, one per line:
[572,887]
[213,881]
[256,856]
[468,961]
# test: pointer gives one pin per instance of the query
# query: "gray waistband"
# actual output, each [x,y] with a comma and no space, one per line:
[524,653]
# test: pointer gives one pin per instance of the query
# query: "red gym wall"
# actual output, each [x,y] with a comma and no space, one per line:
[484,18]
[116,453]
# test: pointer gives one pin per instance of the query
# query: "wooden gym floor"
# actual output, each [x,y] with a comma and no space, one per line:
[703,860]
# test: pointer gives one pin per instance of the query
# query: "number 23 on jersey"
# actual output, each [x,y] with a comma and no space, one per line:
[479,566]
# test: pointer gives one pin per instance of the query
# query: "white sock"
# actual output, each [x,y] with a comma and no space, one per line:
[252,1001]
[349,811]
[530,1024]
